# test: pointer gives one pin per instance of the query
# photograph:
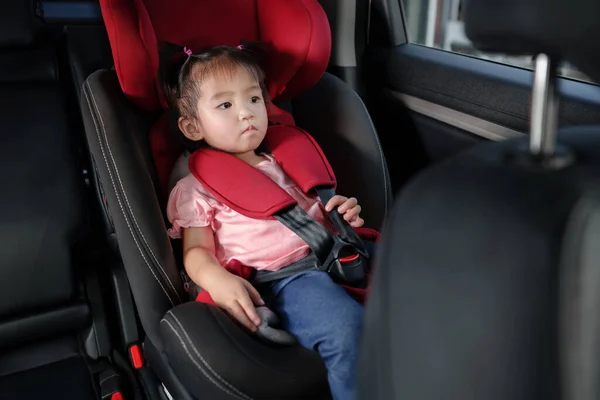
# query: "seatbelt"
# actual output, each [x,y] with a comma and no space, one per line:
[308,263]
[343,256]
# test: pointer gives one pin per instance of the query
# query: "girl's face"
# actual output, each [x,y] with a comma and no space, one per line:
[232,114]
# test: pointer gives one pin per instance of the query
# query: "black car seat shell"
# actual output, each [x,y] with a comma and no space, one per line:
[487,281]
[197,351]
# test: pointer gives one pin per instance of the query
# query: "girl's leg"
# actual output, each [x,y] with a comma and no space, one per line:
[323,318]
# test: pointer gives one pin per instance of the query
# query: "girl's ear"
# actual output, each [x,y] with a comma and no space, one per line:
[190,128]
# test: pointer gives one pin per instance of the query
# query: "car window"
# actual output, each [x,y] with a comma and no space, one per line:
[438,24]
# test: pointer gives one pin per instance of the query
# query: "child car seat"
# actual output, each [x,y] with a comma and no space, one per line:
[198,351]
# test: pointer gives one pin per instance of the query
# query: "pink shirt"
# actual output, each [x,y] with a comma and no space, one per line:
[262,244]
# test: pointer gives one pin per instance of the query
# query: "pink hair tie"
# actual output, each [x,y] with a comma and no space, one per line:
[240,47]
[187,51]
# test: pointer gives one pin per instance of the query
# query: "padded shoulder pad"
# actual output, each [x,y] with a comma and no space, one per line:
[300,157]
[238,185]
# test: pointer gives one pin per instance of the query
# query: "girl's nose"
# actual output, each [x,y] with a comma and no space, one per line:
[246,114]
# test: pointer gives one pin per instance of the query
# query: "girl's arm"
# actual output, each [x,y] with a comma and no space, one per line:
[232,293]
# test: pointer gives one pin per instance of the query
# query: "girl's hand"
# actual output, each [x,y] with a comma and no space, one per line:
[348,207]
[237,297]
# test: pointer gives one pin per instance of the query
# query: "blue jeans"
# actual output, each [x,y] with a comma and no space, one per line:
[324,318]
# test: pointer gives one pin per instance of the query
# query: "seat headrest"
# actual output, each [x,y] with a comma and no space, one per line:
[567,30]
[297,31]
[17,19]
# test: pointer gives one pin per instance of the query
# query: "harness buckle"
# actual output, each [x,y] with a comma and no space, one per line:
[346,263]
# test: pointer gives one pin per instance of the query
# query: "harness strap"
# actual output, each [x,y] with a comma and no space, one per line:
[341,255]
[318,238]
[308,263]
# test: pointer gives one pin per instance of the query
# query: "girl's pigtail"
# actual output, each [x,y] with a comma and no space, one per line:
[256,50]
[171,58]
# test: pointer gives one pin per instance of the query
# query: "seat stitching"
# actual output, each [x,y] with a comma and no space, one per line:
[183,345]
[127,200]
[221,379]
[117,196]
[185,348]
[110,377]
[228,388]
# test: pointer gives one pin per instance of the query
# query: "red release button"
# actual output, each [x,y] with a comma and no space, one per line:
[116,396]
[349,258]
[136,356]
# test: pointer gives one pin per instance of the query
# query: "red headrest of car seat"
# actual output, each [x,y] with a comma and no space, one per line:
[296,31]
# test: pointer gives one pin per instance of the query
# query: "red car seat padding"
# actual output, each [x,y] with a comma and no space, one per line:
[252,193]
[296,32]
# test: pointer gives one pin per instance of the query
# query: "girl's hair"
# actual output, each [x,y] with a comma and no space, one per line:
[182,72]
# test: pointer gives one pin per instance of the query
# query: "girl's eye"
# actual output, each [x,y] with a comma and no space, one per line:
[224,105]
[254,99]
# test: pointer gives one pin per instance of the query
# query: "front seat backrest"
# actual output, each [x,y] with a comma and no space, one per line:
[487,282]
[561,29]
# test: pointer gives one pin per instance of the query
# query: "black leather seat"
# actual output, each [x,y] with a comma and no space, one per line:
[197,351]
[487,285]
[53,339]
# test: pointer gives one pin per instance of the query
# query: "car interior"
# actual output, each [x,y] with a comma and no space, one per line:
[467,134]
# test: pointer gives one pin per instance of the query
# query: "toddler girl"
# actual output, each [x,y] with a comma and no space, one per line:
[217,98]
